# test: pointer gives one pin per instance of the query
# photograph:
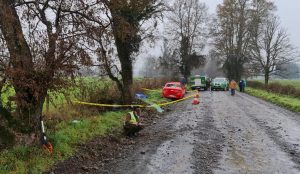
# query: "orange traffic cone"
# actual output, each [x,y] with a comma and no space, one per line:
[197,95]
[196,101]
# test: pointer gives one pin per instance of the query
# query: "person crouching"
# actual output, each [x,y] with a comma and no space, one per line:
[132,124]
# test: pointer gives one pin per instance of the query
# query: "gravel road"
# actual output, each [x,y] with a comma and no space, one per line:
[223,134]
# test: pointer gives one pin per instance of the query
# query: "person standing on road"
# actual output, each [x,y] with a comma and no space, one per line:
[232,86]
[132,124]
[242,85]
[183,82]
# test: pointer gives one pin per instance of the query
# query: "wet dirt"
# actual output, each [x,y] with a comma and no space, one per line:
[223,134]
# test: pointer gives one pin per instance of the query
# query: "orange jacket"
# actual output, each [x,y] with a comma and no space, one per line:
[232,84]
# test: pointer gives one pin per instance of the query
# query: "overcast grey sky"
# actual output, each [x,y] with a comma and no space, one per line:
[287,10]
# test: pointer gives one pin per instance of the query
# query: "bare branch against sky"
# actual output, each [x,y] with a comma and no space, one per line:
[288,12]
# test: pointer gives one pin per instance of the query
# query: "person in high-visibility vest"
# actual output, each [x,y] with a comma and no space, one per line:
[132,124]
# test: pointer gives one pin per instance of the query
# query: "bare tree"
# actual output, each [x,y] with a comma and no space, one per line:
[271,47]
[117,45]
[187,30]
[127,18]
[231,35]
[167,63]
[237,21]
[42,44]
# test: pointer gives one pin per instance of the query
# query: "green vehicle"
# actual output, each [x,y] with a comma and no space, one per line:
[219,83]
[199,82]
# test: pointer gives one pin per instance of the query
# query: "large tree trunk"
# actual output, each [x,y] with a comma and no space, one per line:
[267,77]
[184,53]
[23,77]
[30,111]
[127,73]
[124,40]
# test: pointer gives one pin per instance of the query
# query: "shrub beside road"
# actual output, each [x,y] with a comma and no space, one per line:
[285,93]
[285,87]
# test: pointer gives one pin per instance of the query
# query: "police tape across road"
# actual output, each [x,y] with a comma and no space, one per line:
[141,106]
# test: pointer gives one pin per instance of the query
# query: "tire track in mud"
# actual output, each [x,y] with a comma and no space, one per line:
[223,134]
[208,148]
[165,146]
[247,148]
[291,149]
[192,143]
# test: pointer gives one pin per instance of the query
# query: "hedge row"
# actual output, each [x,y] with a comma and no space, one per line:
[275,87]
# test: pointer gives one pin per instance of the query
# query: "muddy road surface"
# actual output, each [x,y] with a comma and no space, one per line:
[224,134]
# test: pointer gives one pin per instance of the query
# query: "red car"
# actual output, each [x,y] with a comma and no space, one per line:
[173,90]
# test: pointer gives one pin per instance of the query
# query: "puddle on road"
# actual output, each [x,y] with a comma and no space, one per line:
[174,156]
[238,159]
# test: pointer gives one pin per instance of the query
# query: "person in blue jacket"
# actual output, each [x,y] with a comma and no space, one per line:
[242,85]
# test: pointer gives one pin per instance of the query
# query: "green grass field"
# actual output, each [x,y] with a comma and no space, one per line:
[62,132]
[295,83]
[156,96]
[81,89]
[65,134]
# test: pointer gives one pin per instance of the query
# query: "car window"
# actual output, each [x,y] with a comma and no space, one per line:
[219,80]
[172,85]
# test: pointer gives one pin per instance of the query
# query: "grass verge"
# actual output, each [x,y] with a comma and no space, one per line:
[23,159]
[285,101]
[156,96]
[295,83]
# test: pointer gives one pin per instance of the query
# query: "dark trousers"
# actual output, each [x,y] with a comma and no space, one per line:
[232,92]
[242,89]
[132,129]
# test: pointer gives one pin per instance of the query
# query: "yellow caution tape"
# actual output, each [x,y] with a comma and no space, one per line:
[168,103]
[142,106]
[106,105]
